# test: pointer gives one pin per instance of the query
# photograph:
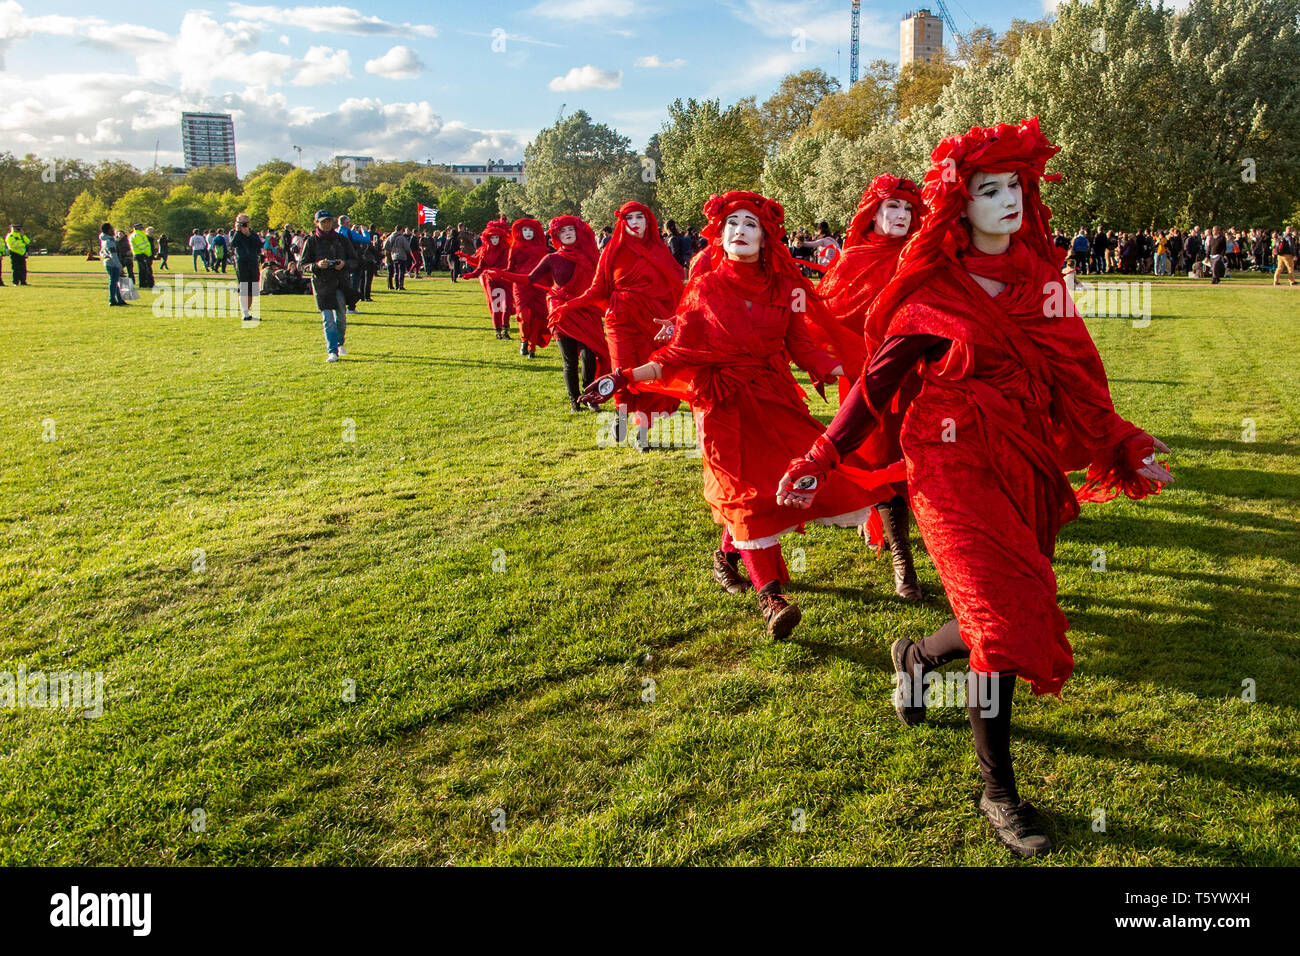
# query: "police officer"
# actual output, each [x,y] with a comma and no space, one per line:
[16,243]
[142,252]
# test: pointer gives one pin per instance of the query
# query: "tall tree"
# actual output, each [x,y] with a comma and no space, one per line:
[790,108]
[288,198]
[567,160]
[630,181]
[81,228]
[706,150]
[862,106]
[213,179]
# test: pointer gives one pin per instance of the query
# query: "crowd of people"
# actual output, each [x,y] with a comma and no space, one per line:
[1199,253]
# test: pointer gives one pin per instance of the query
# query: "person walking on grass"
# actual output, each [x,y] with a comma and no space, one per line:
[199,250]
[329,256]
[1285,250]
[112,264]
[247,250]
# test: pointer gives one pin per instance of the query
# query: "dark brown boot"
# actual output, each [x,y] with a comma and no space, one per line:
[894,517]
[726,571]
[779,614]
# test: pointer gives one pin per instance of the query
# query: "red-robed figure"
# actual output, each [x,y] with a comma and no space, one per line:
[637,282]
[888,214]
[493,254]
[527,249]
[745,314]
[1013,396]
[564,275]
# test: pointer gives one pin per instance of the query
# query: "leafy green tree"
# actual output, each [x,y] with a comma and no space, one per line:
[451,205]
[626,183]
[212,179]
[567,160]
[279,167]
[862,106]
[143,204]
[511,202]
[480,203]
[81,228]
[399,208]
[788,178]
[257,197]
[290,196]
[789,110]
[368,209]
[338,200]
[706,150]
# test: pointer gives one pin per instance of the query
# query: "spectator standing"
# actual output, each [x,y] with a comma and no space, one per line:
[199,250]
[217,250]
[124,255]
[1081,249]
[1218,251]
[16,244]
[112,264]
[164,250]
[398,247]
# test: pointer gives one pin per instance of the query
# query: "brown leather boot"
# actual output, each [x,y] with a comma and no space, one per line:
[779,614]
[726,571]
[894,517]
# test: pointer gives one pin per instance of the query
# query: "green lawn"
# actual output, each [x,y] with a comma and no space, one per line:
[498,591]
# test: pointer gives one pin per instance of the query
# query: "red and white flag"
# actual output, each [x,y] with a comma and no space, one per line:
[427,215]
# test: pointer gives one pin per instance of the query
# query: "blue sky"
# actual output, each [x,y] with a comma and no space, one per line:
[458,82]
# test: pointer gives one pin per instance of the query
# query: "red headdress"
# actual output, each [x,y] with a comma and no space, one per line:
[882,187]
[781,276]
[1020,148]
[526,253]
[649,246]
[584,253]
[496,228]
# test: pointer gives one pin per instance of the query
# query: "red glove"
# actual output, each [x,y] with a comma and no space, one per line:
[603,388]
[804,476]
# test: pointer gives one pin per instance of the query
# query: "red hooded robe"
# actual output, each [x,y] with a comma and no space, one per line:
[530,301]
[1019,399]
[637,281]
[497,292]
[737,328]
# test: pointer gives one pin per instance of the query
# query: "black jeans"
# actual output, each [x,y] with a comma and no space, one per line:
[570,351]
[399,273]
[18,268]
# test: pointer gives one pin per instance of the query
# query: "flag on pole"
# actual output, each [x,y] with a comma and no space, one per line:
[427,215]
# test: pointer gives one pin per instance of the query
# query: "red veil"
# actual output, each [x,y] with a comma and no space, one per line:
[649,247]
[530,301]
[867,263]
[584,253]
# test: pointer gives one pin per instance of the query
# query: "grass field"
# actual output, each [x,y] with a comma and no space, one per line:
[388,644]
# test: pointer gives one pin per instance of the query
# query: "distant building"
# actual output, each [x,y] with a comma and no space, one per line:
[920,38]
[355,162]
[208,139]
[475,174]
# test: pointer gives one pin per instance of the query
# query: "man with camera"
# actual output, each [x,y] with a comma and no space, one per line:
[330,256]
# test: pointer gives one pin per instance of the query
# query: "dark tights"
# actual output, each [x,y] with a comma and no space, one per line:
[990,721]
[570,351]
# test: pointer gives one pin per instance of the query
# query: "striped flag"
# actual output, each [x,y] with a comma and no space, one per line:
[427,215]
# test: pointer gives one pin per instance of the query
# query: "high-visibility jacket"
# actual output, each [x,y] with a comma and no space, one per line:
[17,243]
[140,244]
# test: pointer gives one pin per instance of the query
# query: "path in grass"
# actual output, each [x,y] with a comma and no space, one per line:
[497,593]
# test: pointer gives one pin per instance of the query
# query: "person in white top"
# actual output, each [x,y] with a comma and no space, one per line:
[199,249]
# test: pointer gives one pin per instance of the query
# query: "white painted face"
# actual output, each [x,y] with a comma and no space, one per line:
[494,239]
[569,235]
[893,217]
[995,206]
[635,223]
[527,233]
[742,236]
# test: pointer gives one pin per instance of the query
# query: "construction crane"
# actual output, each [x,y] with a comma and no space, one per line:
[853,41]
[559,117]
[952,25]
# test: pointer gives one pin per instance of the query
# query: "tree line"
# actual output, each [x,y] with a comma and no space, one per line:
[1165,118]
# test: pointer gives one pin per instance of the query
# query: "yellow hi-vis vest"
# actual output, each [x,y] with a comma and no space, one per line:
[140,244]
[17,243]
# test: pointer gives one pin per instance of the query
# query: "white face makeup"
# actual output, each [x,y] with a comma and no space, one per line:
[635,223]
[569,235]
[527,233]
[494,239]
[995,208]
[742,236]
[893,217]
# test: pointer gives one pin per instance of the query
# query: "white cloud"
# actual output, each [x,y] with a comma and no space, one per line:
[585,9]
[653,62]
[399,63]
[330,20]
[814,23]
[587,78]
[322,64]
[284,39]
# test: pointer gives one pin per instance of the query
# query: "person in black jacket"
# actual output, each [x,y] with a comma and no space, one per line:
[246,248]
[329,256]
